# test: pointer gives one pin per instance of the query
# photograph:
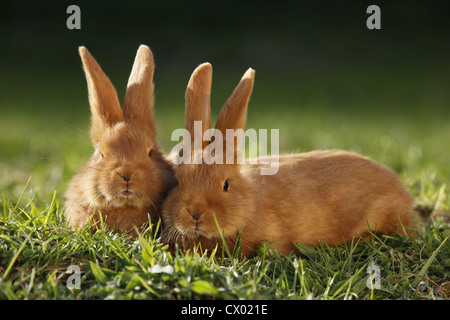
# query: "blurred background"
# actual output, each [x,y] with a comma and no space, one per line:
[322,78]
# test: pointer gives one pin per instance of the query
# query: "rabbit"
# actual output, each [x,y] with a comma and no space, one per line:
[315,197]
[127,177]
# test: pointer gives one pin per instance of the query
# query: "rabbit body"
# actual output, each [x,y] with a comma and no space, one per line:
[125,180]
[320,196]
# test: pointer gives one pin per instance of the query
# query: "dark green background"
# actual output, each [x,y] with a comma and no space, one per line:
[291,44]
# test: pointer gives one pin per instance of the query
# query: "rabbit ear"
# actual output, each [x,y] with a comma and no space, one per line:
[139,98]
[234,113]
[105,106]
[198,93]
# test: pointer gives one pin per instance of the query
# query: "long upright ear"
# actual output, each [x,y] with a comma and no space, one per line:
[105,106]
[234,113]
[139,97]
[198,94]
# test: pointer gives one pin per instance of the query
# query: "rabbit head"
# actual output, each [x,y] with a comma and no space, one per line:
[211,196]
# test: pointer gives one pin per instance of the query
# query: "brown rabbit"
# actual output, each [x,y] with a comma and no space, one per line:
[320,196]
[127,177]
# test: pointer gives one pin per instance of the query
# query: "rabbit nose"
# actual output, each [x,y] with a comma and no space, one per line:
[127,178]
[194,215]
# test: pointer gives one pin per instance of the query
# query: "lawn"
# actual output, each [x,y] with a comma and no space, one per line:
[44,140]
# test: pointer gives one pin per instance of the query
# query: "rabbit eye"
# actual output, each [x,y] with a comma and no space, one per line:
[150,152]
[226,186]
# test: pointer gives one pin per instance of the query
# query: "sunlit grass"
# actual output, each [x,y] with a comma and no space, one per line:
[36,250]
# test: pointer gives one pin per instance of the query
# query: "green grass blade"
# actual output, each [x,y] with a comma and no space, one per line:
[431,259]
[23,192]
[98,272]
[11,263]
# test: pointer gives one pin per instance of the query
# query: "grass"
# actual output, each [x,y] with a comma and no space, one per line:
[36,250]
[44,140]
